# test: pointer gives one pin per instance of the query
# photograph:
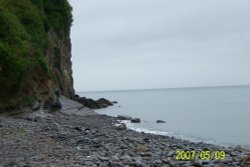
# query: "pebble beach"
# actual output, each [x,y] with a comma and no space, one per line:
[75,137]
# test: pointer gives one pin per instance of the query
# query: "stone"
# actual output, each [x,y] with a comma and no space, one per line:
[121,127]
[160,121]
[36,106]
[38,119]
[103,101]
[171,153]
[126,158]
[78,128]
[123,117]
[141,148]
[103,158]
[139,164]
[135,120]
[93,104]
[197,163]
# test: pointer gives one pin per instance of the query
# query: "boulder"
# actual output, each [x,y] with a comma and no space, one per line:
[36,106]
[121,127]
[104,101]
[135,120]
[93,104]
[160,121]
[123,117]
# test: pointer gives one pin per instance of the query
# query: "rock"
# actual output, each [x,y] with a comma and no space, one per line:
[141,148]
[76,97]
[139,164]
[78,128]
[103,101]
[93,104]
[87,130]
[121,127]
[126,158]
[197,163]
[36,106]
[135,120]
[103,158]
[56,106]
[171,153]
[245,158]
[38,119]
[114,102]
[90,103]
[12,164]
[160,121]
[123,117]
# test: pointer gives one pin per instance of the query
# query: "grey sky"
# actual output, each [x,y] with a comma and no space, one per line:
[140,44]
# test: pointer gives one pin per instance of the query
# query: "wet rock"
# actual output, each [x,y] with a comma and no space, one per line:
[160,121]
[135,120]
[104,102]
[93,104]
[123,117]
[121,127]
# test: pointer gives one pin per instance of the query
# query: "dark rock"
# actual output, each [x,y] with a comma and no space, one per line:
[38,119]
[36,106]
[123,117]
[135,120]
[84,141]
[197,163]
[57,105]
[104,101]
[76,97]
[114,102]
[160,121]
[93,104]
[78,128]
[121,127]
[12,164]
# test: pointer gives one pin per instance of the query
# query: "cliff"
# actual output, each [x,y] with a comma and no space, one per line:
[35,51]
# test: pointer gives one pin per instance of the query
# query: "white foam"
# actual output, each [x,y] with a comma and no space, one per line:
[164,133]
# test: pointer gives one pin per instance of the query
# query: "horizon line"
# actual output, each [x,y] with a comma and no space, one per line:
[138,89]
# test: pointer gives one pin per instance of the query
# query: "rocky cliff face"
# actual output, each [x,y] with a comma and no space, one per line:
[35,51]
[59,56]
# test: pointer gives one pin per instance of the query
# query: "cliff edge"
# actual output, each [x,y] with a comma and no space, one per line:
[35,51]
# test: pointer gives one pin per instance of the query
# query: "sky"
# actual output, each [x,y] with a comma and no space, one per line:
[145,44]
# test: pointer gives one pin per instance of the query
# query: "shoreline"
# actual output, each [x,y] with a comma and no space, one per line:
[181,137]
[85,138]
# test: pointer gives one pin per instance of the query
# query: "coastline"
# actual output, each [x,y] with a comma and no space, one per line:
[82,137]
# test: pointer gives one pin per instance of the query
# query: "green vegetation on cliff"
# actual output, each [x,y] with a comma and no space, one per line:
[24,40]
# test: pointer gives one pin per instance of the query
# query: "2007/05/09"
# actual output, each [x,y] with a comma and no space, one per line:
[203,155]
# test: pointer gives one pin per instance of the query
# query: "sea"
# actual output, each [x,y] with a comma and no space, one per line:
[217,115]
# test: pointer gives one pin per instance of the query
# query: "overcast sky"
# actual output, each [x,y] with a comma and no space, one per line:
[141,44]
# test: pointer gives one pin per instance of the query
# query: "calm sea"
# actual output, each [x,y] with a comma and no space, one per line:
[219,115]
